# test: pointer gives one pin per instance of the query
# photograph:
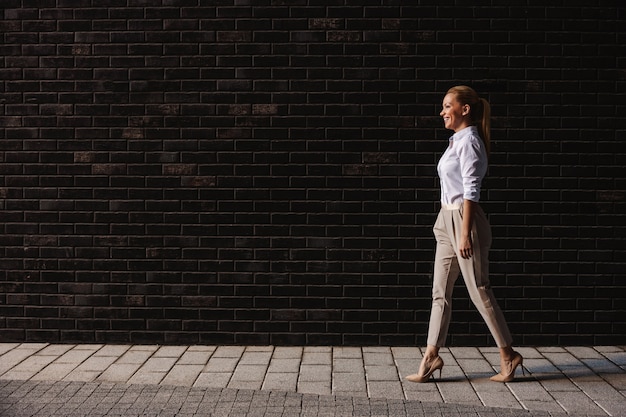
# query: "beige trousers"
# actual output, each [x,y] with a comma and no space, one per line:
[475,271]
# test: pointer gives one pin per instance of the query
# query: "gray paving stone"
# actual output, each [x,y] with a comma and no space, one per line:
[407,367]
[55,350]
[29,367]
[314,387]
[540,366]
[348,365]
[458,392]
[245,384]
[500,399]
[286,365]
[96,363]
[73,358]
[213,380]
[584,352]
[315,373]
[601,365]
[136,355]
[281,381]
[316,357]
[530,391]
[348,352]
[119,372]
[287,352]
[559,384]
[147,377]
[349,382]
[474,367]
[377,355]
[406,353]
[381,373]
[255,358]
[169,352]
[195,357]
[614,407]
[229,351]
[618,381]
[182,374]
[550,407]
[54,372]
[158,364]
[385,389]
[221,364]
[548,349]
[466,353]
[574,402]
[6,347]
[245,372]
[15,356]
[450,372]
[564,360]
[618,358]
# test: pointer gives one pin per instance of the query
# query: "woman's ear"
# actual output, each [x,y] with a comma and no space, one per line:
[466,109]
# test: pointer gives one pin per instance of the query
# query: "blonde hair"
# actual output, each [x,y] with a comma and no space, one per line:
[480,111]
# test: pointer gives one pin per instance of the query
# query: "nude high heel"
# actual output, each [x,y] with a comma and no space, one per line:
[429,369]
[507,371]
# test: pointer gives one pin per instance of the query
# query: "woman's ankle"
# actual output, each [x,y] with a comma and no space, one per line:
[431,352]
[507,353]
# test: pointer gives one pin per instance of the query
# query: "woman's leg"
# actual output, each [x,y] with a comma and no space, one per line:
[475,271]
[446,271]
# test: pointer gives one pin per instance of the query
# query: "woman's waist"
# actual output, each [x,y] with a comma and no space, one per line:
[451,206]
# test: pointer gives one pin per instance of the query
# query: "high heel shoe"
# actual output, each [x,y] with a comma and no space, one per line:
[429,369]
[507,371]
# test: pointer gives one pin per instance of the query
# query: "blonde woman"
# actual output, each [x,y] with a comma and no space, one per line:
[463,233]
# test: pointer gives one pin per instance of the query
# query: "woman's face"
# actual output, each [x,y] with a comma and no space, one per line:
[455,115]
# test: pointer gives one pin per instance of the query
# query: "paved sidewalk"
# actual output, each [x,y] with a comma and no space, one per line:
[127,380]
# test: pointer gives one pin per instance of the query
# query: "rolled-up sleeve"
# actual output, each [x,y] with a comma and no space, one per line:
[473,161]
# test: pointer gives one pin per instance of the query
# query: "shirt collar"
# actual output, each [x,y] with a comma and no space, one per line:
[464,132]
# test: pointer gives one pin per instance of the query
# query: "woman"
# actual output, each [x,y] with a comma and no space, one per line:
[463,233]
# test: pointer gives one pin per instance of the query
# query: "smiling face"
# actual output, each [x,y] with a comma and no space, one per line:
[455,115]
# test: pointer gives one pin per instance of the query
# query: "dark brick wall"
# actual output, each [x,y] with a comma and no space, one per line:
[263,172]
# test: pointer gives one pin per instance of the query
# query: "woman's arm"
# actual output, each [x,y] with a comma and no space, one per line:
[465,240]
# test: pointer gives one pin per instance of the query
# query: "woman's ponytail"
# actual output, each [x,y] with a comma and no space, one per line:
[484,124]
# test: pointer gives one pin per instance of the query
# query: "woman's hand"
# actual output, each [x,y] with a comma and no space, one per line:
[465,247]
[465,242]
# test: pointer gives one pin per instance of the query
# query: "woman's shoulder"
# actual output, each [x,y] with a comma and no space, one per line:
[470,143]
[468,137]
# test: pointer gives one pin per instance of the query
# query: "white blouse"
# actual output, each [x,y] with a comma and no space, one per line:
[462,167]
